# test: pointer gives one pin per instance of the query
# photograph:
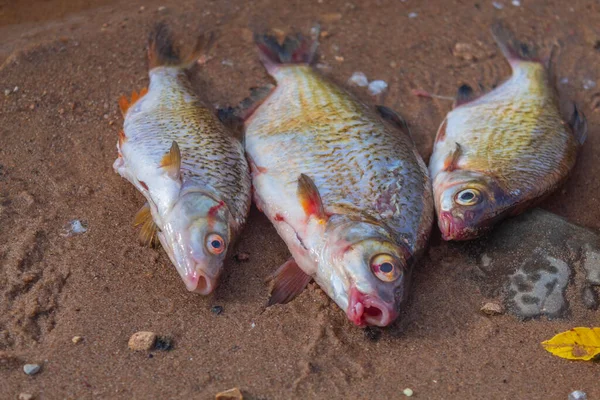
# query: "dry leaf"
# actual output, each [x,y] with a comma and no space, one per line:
[575,344]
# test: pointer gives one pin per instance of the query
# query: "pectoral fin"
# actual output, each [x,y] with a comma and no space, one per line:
[288,282]
[309,197]
[451,161]
[149,228]
[171,162]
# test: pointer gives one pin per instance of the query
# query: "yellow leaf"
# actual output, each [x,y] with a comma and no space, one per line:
[575,344]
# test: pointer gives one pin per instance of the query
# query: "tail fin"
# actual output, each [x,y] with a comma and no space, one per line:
[163,53]
[513,49]
[295,49]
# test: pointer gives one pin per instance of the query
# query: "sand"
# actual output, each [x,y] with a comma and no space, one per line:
[63,66]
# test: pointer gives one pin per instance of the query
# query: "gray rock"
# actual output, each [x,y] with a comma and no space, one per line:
[31,369]
[577,395]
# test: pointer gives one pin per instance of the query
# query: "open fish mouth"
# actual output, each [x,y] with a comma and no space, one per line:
[365,310]
[199,282]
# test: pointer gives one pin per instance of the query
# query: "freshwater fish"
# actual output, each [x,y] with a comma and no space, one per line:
[189,167]
[499,154]
[341,182]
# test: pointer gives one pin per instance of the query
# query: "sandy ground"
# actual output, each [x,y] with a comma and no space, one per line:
[70,60]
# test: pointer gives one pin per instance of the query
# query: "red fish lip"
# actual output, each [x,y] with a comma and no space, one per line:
[446,224]
[365,310]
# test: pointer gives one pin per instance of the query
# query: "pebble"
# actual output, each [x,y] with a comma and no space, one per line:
[413,15]
[358,79]
[377,87]
[393,64]
[498,6]
[16,89]
[227,63]
[339,58]
[516,3]
[31,369]
[331,17]
[578,395]
[492,309]
[231,394]
[6,92]
[75,227]
[25,396]
[408,392]
[588,84]
[142,341]
[242,257]
[142,8]
[162,8]
[564,81]
[163,343]
[76,339]
[218,310]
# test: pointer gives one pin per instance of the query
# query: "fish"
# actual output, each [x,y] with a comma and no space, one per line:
[186,163]
[501,153]
[342,183]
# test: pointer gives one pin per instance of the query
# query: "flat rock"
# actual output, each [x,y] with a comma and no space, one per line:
[532,259]
[142,341]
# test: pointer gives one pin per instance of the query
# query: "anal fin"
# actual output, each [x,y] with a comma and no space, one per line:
[288,282]
[149,228]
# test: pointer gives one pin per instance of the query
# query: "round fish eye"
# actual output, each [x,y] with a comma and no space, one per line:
[468,197]
[385,267]
[215,244]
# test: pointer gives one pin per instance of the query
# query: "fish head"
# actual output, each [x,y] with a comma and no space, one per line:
[367,272]
[467,203]
[196,235]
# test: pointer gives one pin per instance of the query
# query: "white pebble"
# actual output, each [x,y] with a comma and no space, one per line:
[497,5]
[253,325]
[162,8]
[564,80]
[227,63]
[16,89]
[31,369]
[408,392]
[377,87]
[6,92]
[412,15]
[577,395]
[74,227]
[516,3]
[358,79]
[588,84]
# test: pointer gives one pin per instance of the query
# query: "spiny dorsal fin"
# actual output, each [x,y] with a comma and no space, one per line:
[309,197]
[392,116]
[125,104]
[171,162]
[288,282]
[148,230]
[451,161]
[578,124]
[464,95]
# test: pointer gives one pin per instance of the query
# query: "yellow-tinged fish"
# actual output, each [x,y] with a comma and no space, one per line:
[498,154]
[348,192]
[191,170]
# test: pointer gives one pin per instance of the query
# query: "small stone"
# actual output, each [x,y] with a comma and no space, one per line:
[331,17]
[393,64]
[76,339]
[279,34]
[589,298]
[75,227]
[218,310]
[25,396]
[142,8]
[227,63]
[7,92]
[142,341]
[242,257]
[162,8]
[588,84]
[61,111]
[163,343]
[469,52]
[498,6]
[413,15]
[32,107]
[339,58]
[358,79]
[324,34]
[564,80]
[16,89]
[31,369]
[231,394]
[492,309]
[516,3]
[377,87]
[408,392]
[578,395]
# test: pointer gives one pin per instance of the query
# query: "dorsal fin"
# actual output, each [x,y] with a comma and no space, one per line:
[171,162]
[464,95]
[392,116]
[451,161]
[309,197]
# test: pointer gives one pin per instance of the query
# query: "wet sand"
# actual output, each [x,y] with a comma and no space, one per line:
[71,60]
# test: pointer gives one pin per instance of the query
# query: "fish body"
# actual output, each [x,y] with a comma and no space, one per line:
[348,194]
[496,155]
[190,169]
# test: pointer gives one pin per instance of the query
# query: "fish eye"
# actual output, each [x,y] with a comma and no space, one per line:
[385,268]
[468,197]
[215,244]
